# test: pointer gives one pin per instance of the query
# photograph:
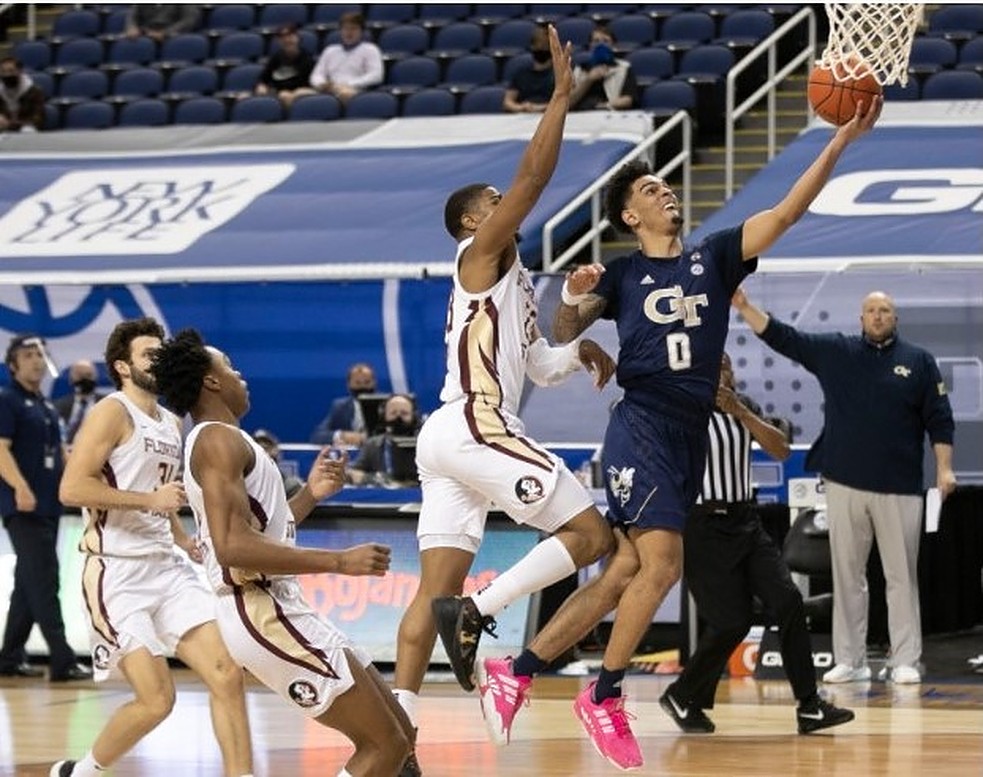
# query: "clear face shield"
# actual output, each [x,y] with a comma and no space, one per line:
[38,342]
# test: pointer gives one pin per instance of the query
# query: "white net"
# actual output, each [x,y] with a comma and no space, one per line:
[871,38]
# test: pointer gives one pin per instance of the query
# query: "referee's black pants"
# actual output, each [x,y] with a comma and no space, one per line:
[728,559]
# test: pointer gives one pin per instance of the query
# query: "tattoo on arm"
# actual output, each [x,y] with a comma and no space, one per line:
[570,322]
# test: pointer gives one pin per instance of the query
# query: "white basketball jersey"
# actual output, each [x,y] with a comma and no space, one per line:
[487,338]
[271,513]
[148,459]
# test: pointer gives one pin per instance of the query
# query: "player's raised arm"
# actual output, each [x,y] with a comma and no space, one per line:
[496,234]
[763,229]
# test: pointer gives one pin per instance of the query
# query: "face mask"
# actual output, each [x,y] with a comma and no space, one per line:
[400,428]
[11,81]
[541,55]
[84,385]
[602,54]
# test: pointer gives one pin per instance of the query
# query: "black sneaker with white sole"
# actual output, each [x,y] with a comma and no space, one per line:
[692,720]
[459,625]
[817,713]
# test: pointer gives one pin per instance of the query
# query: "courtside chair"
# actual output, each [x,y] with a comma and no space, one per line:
[372,105]
[316,107]
[953,85]
[33,54]
[632,31]
[200,110]
[651,64]
[92,114]
[261,109]
[430,102]
[483,99]
[149,112]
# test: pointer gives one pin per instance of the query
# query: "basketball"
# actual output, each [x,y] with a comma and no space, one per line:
[836,100]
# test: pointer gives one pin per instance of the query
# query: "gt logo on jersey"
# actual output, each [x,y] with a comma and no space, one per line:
[901,371]
[664,306]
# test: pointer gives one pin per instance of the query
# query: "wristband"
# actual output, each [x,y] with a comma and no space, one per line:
[571,299]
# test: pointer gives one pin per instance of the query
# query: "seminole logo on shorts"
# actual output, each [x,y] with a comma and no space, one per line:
[529,489]
[303,693]
[100,657]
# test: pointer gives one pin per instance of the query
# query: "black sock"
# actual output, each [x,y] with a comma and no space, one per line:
[608,684]
[528,664]
[809,702]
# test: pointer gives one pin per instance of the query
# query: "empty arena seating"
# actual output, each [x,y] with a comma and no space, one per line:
[460,56]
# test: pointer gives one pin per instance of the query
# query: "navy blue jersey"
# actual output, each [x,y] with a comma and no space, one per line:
[33,427]
[672,317]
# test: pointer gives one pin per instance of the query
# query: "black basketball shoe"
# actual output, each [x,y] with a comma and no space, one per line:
[459,625]
[817,713]
[692,720]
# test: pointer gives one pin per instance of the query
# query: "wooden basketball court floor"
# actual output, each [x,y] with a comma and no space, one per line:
[932,729]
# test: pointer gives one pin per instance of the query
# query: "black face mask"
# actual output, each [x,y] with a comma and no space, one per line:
[84,385]
[541,55]
[11,81]
[400,428]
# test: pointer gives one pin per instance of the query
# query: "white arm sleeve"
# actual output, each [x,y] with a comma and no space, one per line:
[548,365]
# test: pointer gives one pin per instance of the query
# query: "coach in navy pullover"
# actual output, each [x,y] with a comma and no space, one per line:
[882,396]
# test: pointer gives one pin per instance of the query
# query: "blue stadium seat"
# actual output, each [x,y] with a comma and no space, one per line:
[575,29]
[200,110]
[437,15]
[469,71]
[953,85]
[956,22]
[52,117]
[495,13]
[78,52]
[430,102]
[669,97]
[632,30]
[261,109]
[379,16]
[132,51]
[115,22]
[193,80]
[139,82]
[144,113]
[971,55]
[182,50]
[44,81]
[83,85]
[511,36]
[514,64]
[33,54]
[687,29]
[930,55]
[241,78]
[92,114]
[413,73]
[273,15]
[231,17]
[651,64]
[316,107]
[745,28]
[709,61]
[457,38]
[326,15]
[483,99]
[402,40]
[605,12]
[912,91]
[238,47]
[76,24]
[550,13]
[372,105]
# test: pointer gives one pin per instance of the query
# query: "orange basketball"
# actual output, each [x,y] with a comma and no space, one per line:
[836,100]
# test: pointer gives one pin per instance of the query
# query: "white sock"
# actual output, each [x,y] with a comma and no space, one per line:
[345,773]
[88,767]
[407,700]
[542,566]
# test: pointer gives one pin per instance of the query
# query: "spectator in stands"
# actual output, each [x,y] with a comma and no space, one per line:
[161,20]
[882,395]
[345,69]
[287,73]
[269,443]
[72,407]
[531,87]
[344,423]
[376,463]
[605,82]
[21,102]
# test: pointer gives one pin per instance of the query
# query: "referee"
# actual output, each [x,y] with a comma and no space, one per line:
[728,559]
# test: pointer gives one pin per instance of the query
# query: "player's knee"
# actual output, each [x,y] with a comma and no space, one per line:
[157,706]
[226,680]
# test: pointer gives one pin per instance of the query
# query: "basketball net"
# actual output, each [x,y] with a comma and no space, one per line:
[871,39]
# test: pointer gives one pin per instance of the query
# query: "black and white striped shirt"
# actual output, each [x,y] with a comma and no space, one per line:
[727,477]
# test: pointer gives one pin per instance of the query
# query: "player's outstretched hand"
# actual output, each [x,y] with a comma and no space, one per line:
[597,362]
[583,279]
[863,120]
[369,559]
[562,67]
[327,474]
